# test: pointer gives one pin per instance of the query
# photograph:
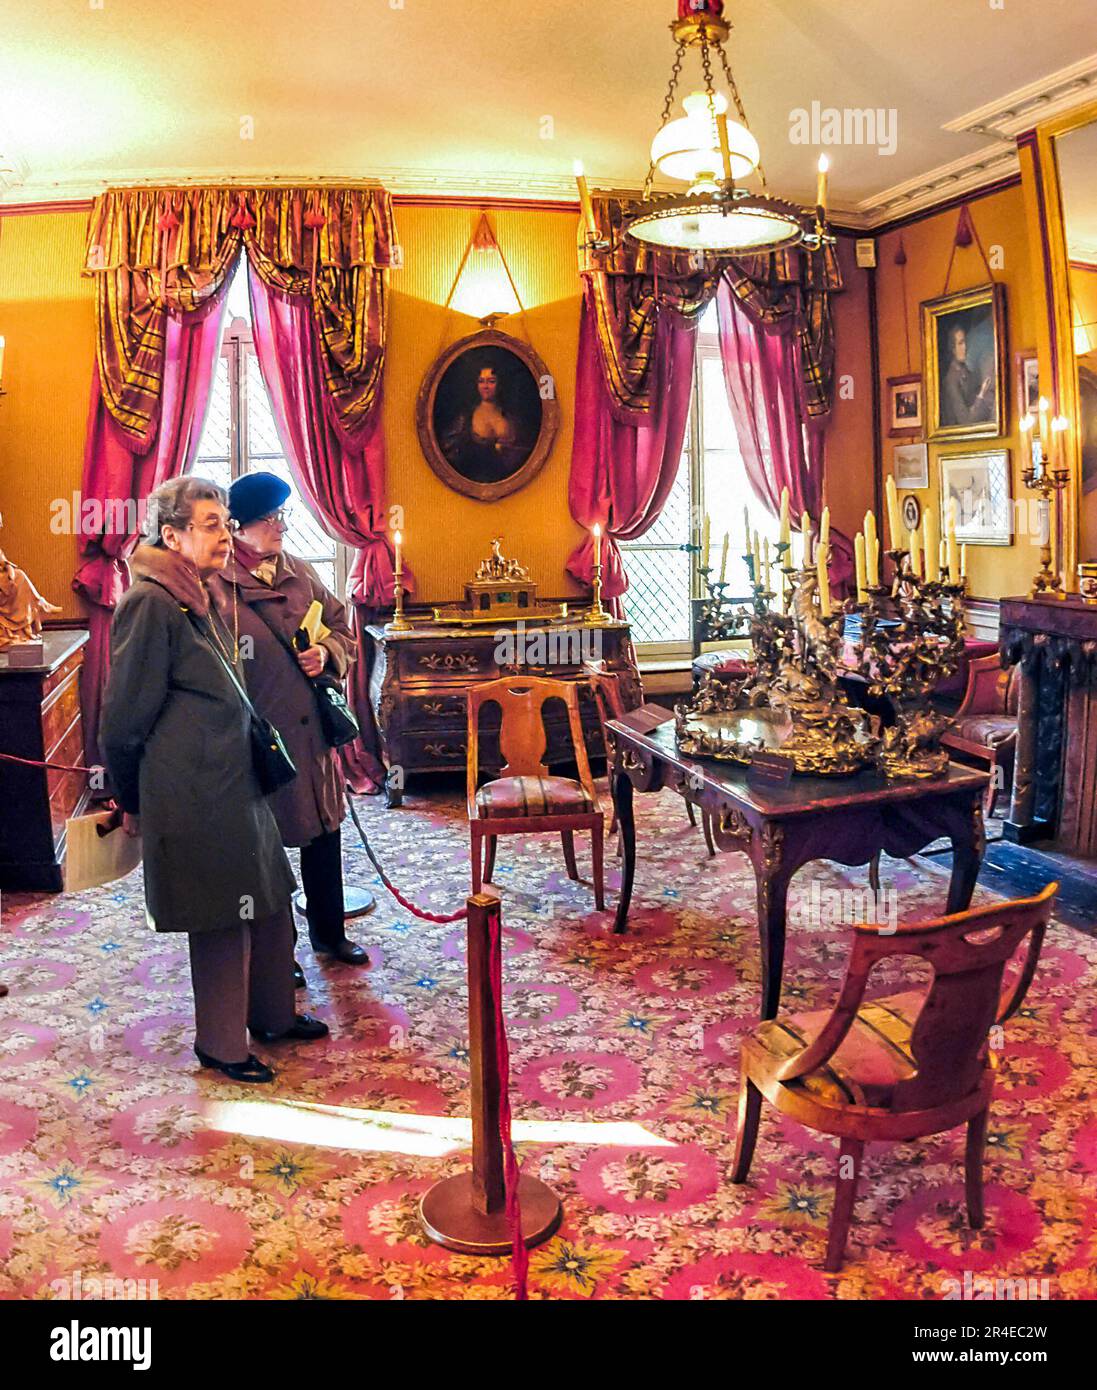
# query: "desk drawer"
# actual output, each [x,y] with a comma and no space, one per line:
[465,661]
[66,788]
[59,709]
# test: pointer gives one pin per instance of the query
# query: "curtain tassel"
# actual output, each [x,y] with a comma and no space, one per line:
[314,219]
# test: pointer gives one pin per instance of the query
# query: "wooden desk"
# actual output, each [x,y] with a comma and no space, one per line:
[40,719]
[781,829]
[419,682]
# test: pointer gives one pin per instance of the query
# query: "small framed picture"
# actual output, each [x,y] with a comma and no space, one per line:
[910,465]
[910,510]
[976,487]
[905,406]
[1027,377]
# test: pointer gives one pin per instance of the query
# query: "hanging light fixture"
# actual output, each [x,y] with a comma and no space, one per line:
[709,152]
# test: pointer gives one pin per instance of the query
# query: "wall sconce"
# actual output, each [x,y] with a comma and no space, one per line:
[484,288]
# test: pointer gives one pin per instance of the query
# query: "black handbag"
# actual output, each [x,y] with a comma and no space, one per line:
[269,756]
[337,720]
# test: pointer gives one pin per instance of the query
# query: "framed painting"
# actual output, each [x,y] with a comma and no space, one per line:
[963,350]
[487,415]
[1026,376]
[976,487]
[911,512]
[905,407]
[910,465]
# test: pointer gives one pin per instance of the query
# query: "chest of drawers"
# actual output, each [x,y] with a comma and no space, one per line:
[419,682]
[40,719]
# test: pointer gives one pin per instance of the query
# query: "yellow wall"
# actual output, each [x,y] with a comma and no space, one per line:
[849,462]
[47,319]
[448,534]
[999,219]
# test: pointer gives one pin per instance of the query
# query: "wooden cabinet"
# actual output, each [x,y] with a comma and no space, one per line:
[419,680]
[40,719]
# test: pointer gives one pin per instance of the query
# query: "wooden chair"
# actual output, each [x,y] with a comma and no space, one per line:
[984,728]
[900,1067]
[524,798]
[611,705]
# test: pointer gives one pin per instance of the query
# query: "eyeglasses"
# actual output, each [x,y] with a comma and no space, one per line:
[274,519]
[214,526]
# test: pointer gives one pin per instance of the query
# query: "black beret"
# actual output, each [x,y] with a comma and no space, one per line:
[255,495]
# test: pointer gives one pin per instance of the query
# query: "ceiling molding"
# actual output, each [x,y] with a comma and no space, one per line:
[1054,95]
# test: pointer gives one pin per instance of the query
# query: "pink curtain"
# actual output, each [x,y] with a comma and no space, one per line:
[762,371]
[342,475]
[118,477]
[622,473]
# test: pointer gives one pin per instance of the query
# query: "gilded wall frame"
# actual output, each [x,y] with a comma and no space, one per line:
[953,409]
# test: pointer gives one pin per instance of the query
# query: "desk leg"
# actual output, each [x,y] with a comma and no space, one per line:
[627,826]
[967,856]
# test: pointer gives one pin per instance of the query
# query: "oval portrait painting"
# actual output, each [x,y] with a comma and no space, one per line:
[484,423]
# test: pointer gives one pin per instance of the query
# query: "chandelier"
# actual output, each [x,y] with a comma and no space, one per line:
[710,153]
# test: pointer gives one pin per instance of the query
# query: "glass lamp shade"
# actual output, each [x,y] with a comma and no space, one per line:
[689,147]
[707,224]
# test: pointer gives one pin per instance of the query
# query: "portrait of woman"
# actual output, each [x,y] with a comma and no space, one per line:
[487,415]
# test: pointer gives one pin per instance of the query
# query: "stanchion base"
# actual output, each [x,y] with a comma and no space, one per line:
[356,903]
[450,1218]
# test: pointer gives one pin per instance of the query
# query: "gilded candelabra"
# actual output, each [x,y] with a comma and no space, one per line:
[789,704]
[1039,476]
[912,637]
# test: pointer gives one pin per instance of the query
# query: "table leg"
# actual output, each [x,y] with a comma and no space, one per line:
[772,896]
[772,879]
[627,826]
[967,856]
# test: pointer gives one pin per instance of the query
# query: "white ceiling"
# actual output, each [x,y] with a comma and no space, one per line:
[458,95]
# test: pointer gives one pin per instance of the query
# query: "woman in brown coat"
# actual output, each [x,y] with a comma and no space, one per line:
[175,738]
[272,591]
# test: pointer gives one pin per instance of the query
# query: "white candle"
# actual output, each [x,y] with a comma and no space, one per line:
[895,529]
[872,549]
[598,544]
[951,556]
[724,559]
[805,532]
[915,553]
[786,528]
[821,183]
[584,198]
[859,564]
[963,562]
[931,541]
[704,542]
[398,541]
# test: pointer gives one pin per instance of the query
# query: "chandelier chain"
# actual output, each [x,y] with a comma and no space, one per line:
[668,107]
[738,100]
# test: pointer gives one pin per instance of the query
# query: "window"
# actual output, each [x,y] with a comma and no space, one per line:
[240,437]
[663,571]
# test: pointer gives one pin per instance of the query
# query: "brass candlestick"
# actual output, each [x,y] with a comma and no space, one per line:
[597,614]
[399,622]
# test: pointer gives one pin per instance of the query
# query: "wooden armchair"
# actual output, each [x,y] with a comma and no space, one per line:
[524,799]
[984,728]
[900,1067]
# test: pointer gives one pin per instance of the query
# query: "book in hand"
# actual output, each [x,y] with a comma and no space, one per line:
[98,850]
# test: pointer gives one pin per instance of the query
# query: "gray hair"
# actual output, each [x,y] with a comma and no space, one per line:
[172,504]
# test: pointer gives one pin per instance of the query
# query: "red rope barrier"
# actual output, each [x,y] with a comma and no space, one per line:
[404,902]
[37,762]
[519,1254]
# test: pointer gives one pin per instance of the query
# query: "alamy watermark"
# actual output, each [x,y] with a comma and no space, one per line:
[846,125]
[828,907]
[541,647]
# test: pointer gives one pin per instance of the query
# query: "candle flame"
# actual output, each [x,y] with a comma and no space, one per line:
[398,538]
[597,529]
[577,168]
[824,164]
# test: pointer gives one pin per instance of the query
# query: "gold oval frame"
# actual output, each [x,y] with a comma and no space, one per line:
[424,417]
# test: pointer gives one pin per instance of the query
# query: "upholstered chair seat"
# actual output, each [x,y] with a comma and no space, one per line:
[532,796]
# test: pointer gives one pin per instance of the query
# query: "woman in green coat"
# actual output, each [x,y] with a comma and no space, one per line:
[175,739]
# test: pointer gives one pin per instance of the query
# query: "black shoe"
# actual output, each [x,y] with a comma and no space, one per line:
[299,981]
[305,1029]
[346,951]
[251,1070]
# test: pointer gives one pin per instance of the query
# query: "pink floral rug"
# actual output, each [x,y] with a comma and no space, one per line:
[120,1160]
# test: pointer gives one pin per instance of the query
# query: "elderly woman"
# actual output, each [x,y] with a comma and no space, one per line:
[176,740]
[272,592]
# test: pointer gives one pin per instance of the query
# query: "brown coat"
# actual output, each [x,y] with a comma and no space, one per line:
[312,803]
[175,739]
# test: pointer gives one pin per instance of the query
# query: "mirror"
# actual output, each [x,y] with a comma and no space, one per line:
[1076,157]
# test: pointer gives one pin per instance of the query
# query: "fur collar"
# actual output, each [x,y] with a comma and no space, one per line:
[172,572]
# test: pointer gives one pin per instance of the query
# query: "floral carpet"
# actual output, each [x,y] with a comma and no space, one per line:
[120,1159]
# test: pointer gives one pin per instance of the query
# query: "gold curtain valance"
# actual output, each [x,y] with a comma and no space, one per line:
[630,282]
[159,251]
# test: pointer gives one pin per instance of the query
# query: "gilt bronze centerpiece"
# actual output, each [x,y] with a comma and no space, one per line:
[789,705]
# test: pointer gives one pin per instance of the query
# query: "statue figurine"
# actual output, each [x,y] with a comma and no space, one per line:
[22,607]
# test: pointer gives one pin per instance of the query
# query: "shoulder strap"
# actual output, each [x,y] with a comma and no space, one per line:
[228,669]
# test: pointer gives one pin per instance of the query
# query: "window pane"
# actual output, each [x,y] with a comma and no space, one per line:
[212,459]
[657,599]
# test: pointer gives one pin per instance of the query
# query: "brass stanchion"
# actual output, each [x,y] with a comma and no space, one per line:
[468,1212]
